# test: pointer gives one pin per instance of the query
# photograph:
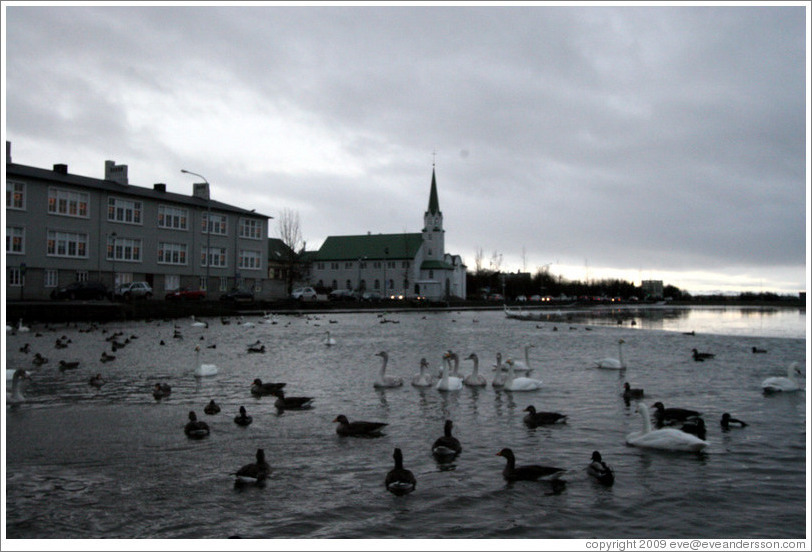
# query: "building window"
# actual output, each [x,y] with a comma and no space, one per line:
[376,264]
[15,277]
[250,260]
[224,284]
[349,285]
[405,264]
[320,266]
[173,218]
[171,282]
[377,284]
[15,240]
[66,244]
[81,276]
[124,210]
[202,283]
[362,265]
[431,274]
[68,203]
[51,277]
[347,265]
[251,229]
[123,249]
[391,285]
[333,266]
[15,195]
[216,257]
[172,253]
[335,285]
[216,226]
[391,264]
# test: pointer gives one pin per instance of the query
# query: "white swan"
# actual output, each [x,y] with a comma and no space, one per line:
[454,371]
[245,324]
[613,363]
[780,383]
[523,366]
[423,379]
[498,367]
[521,383]
[666,438]
[329,341]
[383,380]
[21,328]
[448,382]
[17,396]
[203,370]
[10,374]
[198,324]
[474,380]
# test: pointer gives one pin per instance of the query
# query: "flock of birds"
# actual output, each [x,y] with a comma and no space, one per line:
[674,429]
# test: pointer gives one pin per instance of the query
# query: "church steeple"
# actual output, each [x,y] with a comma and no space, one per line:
[433,233]
[434,202]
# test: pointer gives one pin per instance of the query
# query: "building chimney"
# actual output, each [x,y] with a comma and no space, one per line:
[159,187]
[116,173]
[61,168]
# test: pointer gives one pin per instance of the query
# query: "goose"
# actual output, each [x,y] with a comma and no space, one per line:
[195,429]
[329,341]
[255,473]
[447,382]
[423,379]
[728,422]
[17,379]
[399,481]
[212,408]
[358,429]
[534,419]
[532,472]
[756,350]
[291,403]
[665,415]
[243,418]
[447,446]
[198,324]
[39,360]
[665,439]
[68,365]
[383,380]
[630,392]
[701,357]
[258,388]
[600,470]
[521,383]
[161,390]
[474,380]
[779,383]
[97,381]
[203,370]
[613,363]
[107,357]
[523,366]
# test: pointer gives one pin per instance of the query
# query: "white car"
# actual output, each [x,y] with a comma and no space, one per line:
[304,294]
[133,290]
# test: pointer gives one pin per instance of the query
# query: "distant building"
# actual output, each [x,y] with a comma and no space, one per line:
[407,265]
[652,289]
[62,227]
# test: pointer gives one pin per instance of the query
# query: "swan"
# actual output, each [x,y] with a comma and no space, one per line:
[779,383]
[423,379]
[195,428]
[526,473]
[613,363]
[17,395]
[454,371]
[245,324]
[254,473]
[243,418]
[666,439]
[212,408]
[728,422]
[21,328]
[383,380]
[11,371]
[447,446]
[474,380]
[600,470]
[447,382]
[198,324]
[399,481]
[521,383]
[203,370]
[358,429]
[534,419]
[499,367]
[523,366]
[329,341]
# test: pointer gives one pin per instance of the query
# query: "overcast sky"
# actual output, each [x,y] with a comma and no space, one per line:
[648,142]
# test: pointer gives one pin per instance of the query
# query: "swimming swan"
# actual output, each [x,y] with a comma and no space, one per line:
[665,439]
[383,380]
[779,383]
[448,382]
[203,370]
[475,379]
[523,366]
[17,395]
[613,363]
[423,379]
[521,383]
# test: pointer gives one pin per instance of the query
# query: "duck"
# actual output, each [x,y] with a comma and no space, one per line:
[107,357]
[383,380]
[448,382]
[258,388]
[358,429]
[17,382]
[291,403]
[756,350]
[161,390]
[447,446]
[96,381]
[664,439]
[26,348]
[256,347]
[728,422]
[329,341]
[474,379]
[423,379]
[255,473]
[665,415]
[630,392]
[195,429]
[212,408]
[613,363]
[521,383]
[68,365]
[39,360]
[789,383]
[600,470]
[531,472]
[399,481]
[701,357]
[243,418]
[534,419]
[523,367]
[695,426]
[203,370]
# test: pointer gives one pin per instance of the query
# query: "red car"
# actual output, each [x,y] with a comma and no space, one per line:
[185,294]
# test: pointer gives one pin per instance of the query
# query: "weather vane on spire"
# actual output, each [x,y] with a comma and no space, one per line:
[433,158]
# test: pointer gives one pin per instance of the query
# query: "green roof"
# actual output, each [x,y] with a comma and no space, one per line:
[370,246]
[434,202]
[279,251]
[436,265]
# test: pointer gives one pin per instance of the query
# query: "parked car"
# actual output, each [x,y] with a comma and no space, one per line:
[133,290]
[342,295]
[186,294]
[237,295]
[371,296]
[304,294]
[80,290]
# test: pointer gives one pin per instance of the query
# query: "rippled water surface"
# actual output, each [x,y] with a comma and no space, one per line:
[114,462]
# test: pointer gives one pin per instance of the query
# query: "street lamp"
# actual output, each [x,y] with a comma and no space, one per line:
[208,224]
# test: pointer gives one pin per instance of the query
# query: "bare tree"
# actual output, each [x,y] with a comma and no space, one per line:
[496,261]
[478,256]
[290,232]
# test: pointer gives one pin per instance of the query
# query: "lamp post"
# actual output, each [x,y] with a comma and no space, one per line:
[113,237]
[385,261]
[208,225]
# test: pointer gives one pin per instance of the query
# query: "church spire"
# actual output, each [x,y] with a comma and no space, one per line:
[434,202]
